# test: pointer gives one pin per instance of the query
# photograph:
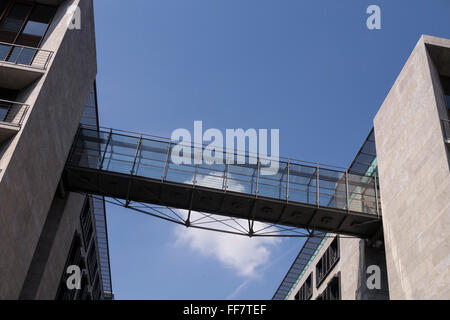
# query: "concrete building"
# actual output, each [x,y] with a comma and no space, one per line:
[47,88]
[409,153]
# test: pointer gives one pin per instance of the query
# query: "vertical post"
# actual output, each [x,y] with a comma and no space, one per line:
[127,203]
[136,154]
[195,175]
[317,186]
[50,54]
[106,149]
[18,56]
[376,194]
[164,175]
[347,195]
[225,178]
[287,179]
[188,220]
[257,177]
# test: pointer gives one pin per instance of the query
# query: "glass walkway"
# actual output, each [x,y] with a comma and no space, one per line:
[139,169]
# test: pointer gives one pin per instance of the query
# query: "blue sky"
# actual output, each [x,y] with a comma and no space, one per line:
[310,68]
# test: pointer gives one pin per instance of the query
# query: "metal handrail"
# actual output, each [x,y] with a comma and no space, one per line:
[40,59]
[15,114]
[224,150]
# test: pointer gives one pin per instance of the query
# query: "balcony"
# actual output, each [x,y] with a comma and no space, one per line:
[21,65]
[11,117]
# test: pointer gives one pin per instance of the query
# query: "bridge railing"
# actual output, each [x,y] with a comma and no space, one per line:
[294,181]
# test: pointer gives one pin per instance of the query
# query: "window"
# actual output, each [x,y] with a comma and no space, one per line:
[306,291]
[74,258]
[23,23]
[36,26]
[39,21]
[92,261]
[86,223]
[445,81]
[15,18]
[333,290]
[327,262]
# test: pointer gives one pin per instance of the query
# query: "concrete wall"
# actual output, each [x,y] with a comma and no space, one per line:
[415,180]
[33,161]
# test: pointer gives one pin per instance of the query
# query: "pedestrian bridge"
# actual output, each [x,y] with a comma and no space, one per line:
[134,168]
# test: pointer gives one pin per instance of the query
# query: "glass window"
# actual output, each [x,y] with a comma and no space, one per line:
[25,23]
[39,20]
[22,55]
[4,51]
[16,17]
[4,108]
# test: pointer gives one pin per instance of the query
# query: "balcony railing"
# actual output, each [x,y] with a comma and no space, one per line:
[24,56]
[12,113]
[446,126]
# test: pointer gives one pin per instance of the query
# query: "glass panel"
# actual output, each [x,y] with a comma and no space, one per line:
[120,154]
[22,56]
[329,188]
[42,14]
[39,20]
[364,159]
[151,159]
[302,184]
[14,55]
[370,148]
[242,178]
[3,111]
[4,50]
[35,28]
[16,17]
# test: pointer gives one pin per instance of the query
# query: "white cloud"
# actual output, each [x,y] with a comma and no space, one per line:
[244,255]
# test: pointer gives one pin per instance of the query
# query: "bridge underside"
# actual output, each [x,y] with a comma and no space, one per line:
[91,169]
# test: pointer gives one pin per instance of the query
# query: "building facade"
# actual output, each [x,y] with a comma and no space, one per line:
[409,153]
[47,88]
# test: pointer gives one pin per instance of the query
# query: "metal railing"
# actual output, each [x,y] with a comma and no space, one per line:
[12,113]
[25,56]
[294,181]
[446,126]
